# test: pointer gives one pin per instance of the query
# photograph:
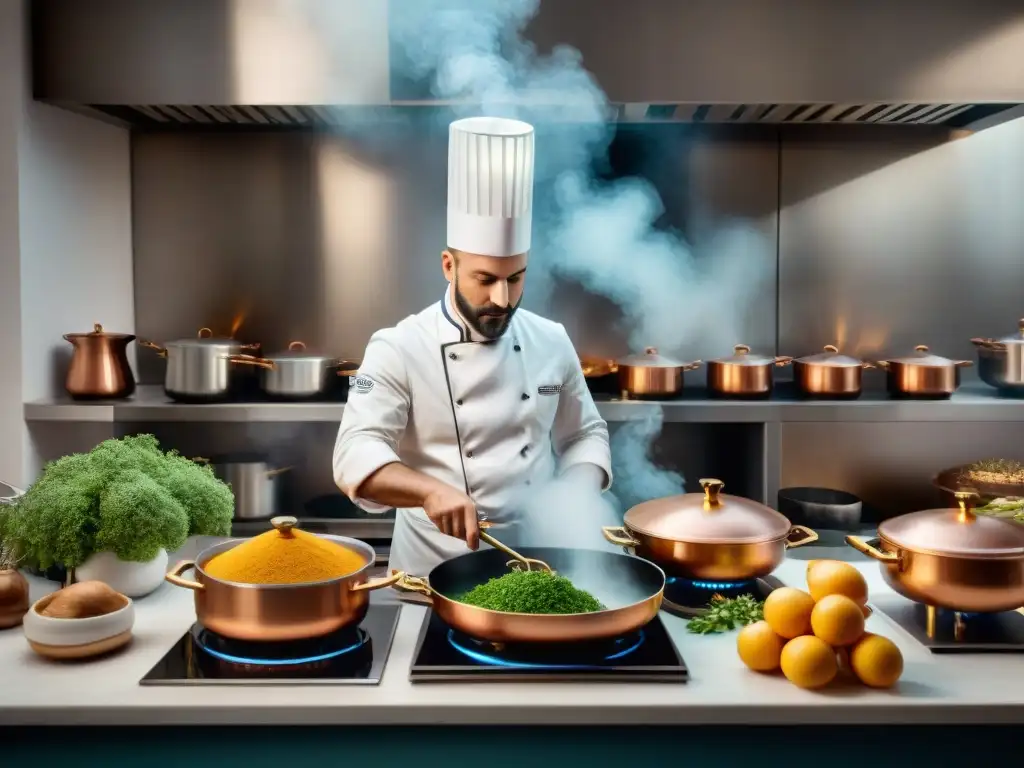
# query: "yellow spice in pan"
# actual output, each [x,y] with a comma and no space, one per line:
[284,556]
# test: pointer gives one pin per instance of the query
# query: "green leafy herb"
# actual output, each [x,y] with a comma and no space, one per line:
[531,592]
[126,496]
[725,614]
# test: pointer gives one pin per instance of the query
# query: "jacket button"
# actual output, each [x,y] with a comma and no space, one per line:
[517,348]
[469,454]
[523,452]
[525,396]
[458,402]
[452,356]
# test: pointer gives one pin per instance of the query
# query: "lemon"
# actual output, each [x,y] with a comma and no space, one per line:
[834,577]
[759,647]
[876,661]
[809,662]
[837,620]
[788,612]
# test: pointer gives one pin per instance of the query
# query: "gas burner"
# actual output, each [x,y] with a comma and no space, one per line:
[689,599]
[349,651]
[944,631]
[576,656]
[353,656]
[446,655]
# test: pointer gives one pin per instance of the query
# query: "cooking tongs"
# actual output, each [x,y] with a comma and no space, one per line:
[518,561]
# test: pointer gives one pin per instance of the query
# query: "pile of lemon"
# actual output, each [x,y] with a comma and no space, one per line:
[806,633]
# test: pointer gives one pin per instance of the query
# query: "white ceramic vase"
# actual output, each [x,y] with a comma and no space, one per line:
[130,579]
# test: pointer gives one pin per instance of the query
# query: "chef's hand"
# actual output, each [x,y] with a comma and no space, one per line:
[454,513]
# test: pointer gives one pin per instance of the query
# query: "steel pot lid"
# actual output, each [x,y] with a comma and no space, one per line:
[923,357]
[741,356]
[831,356]
[97,332]
[711,517]
[955,532]
[651,358]
[205,338]
[297,351]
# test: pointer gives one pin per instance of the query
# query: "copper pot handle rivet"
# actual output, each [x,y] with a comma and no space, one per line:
[873,552]
[296,346]
[174,576]
[712,487]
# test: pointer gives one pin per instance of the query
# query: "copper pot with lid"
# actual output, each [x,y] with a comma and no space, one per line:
[952,558]
[742,374]
[709,536]
[99,365]
[922,374]
[830,374]
[652,375]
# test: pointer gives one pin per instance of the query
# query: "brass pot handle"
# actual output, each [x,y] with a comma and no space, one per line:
[174,576]
[417,584]
[154,346]
[782,360]
[619,536]
[873,552]
[807,536]
[963,363]
[991,344]
[693,366]
[374,584]
[258,362]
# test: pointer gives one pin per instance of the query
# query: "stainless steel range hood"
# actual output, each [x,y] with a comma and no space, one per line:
[306,63]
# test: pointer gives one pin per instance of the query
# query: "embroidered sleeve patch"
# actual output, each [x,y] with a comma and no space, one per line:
[549,389]
[360,383]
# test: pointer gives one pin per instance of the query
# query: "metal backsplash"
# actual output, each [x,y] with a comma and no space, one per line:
[326,239]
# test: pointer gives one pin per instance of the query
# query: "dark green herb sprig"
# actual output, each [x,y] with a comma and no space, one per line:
[531,592]
[725,614]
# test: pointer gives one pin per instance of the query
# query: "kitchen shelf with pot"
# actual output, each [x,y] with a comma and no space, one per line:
[973,402]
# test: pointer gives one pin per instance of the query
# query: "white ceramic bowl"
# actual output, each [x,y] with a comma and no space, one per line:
[71,638]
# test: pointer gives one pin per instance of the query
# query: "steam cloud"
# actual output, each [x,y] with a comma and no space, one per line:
[598,233]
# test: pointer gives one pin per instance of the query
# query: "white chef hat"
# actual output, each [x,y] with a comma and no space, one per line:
[490,186]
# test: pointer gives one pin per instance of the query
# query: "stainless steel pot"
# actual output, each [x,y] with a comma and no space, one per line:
[205,369]
[298,374]
[256,486]
[1001,361]
[922,375]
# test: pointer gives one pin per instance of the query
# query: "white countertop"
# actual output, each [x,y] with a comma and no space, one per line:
[975,688]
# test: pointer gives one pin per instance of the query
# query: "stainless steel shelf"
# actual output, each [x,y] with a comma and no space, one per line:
[974,402]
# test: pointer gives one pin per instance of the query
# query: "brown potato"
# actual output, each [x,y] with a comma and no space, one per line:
[83,600]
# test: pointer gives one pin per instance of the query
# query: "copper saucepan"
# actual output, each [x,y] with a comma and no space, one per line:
[743,374]
[829,374]
[280,612]
[709,536]
[952,558]
[652,375]
[631,588]
[922,375]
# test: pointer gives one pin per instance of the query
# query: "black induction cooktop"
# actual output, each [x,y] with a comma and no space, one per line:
[446,655]
[952,631]
[353,656]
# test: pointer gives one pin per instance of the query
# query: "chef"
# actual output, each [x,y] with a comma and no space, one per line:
[463,411]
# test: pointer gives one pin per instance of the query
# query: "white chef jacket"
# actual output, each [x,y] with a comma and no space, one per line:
[486,417]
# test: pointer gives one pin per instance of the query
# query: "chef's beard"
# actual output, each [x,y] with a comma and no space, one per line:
[490,320]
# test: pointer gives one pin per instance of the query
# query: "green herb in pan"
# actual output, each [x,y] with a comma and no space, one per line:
[531,592]
[726,614]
